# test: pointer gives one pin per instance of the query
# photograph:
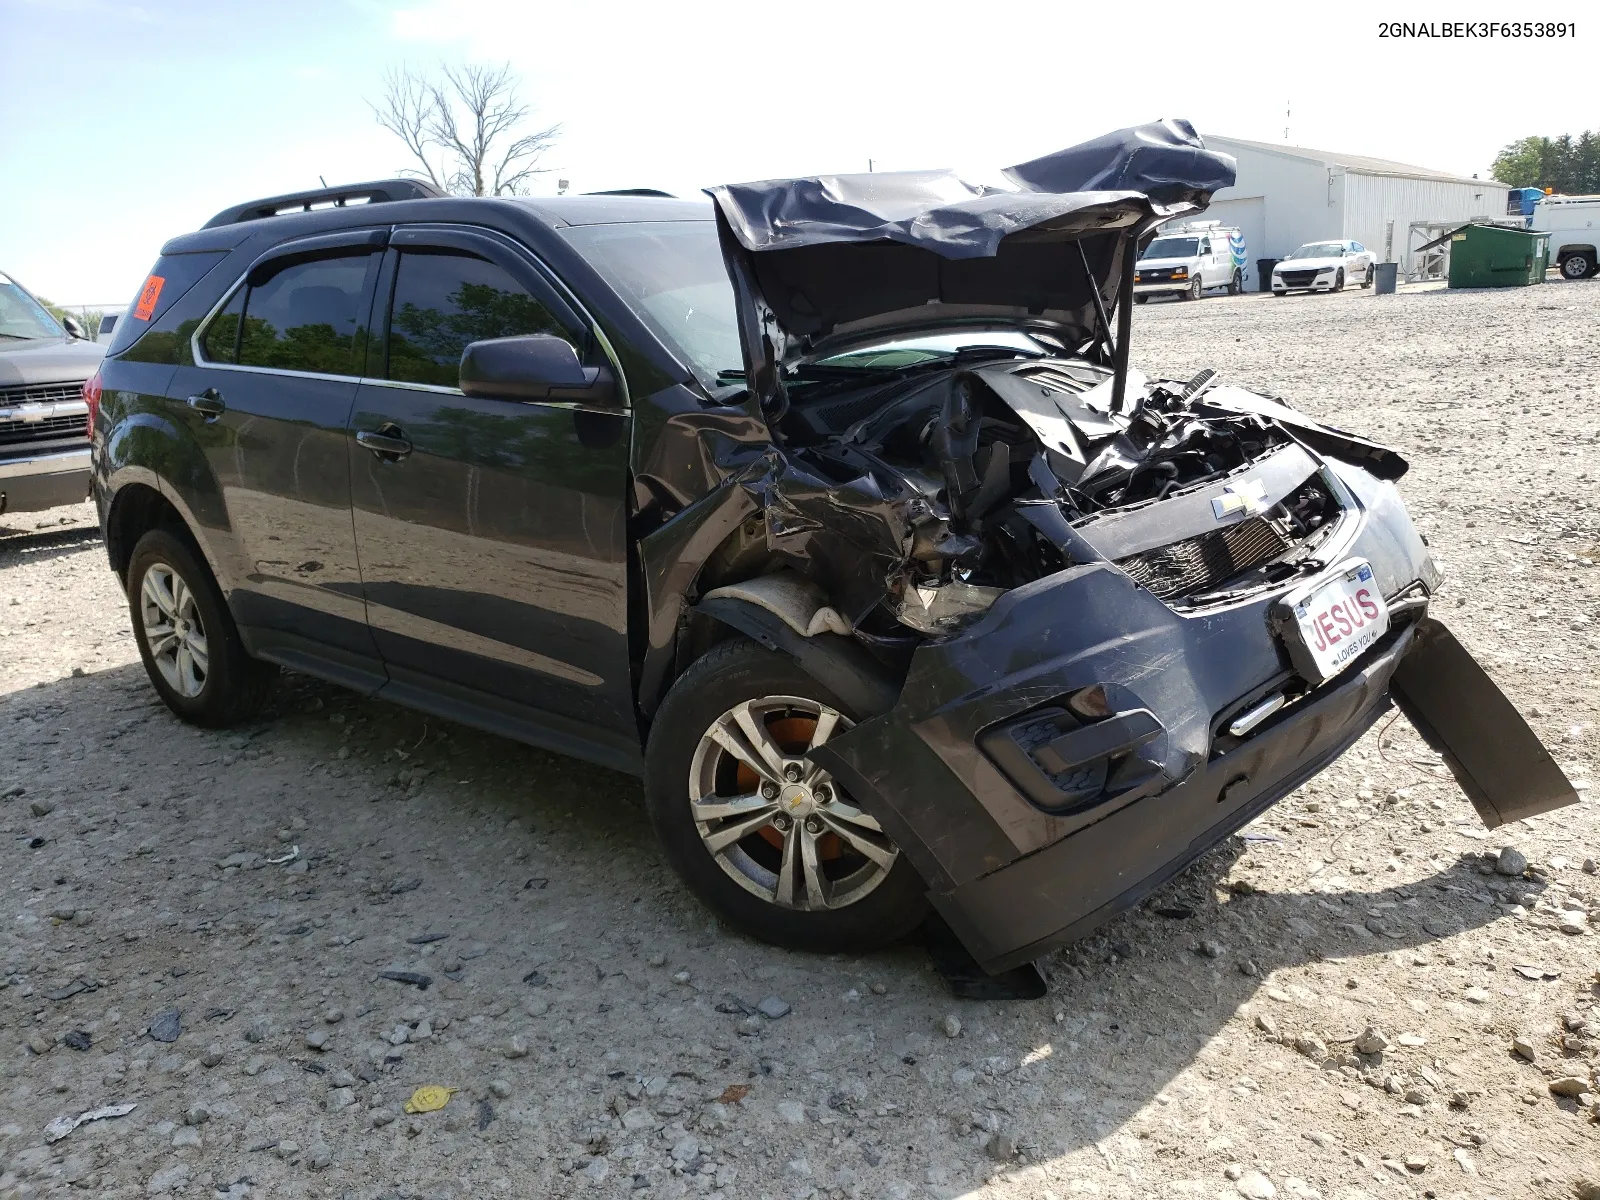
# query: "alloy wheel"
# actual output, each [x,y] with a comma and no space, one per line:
[173,630]
[776,824]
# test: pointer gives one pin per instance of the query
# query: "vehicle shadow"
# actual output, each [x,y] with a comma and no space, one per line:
[43,545]
[551,864]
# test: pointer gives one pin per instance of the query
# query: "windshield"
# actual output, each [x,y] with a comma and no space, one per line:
[21,316]
[1319,250]
[1172,247]
[672,274]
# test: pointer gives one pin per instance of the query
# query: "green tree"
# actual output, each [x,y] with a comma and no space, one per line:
[1567,164]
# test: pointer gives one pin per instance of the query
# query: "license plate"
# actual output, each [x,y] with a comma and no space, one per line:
[1329,624]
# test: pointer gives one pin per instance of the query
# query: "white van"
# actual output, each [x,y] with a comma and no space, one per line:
[1573,223]
[1187,260]
[108,324]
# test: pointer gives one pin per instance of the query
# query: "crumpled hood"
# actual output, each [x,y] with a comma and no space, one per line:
[48,360]
[832,259]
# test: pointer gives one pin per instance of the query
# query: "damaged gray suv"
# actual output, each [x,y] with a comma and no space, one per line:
[833,508]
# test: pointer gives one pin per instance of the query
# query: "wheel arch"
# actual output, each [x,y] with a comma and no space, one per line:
[836,662]
[135,509]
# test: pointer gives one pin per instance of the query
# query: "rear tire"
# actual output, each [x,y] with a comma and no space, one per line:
[857,905]
[190,646]
[1236,284]
[1372,273]
[1576,266]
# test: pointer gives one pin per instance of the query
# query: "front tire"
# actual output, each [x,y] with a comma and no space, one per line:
[1338,281]
[1196,288]
[1576,266]
[190,646]
[1141,299]
[770,843]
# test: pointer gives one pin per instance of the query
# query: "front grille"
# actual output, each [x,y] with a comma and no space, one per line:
[1154,274]
[40,393]
[42,412]
[1203,562]
[16,433]
[1297,278]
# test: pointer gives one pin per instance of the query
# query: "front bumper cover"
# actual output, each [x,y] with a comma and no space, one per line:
[1014,874]
[33,482]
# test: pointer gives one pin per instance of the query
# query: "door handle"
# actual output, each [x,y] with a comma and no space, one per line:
[208,404]
[388,441]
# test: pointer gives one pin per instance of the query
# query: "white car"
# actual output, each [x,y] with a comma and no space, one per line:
[1324,267]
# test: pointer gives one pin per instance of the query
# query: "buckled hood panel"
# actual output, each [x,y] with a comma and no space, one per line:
[831,259]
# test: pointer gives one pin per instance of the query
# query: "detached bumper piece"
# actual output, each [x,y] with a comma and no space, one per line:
[1500,763]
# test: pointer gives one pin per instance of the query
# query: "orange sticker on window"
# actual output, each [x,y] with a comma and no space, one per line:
[148,298]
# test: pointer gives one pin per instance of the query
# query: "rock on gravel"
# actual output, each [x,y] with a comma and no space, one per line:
[1511,861]
[1371,1041]
[773,1007]
[1000,1147]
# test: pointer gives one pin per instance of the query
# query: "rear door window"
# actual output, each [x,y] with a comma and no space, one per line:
[221,341]
[308,316]
[445,300]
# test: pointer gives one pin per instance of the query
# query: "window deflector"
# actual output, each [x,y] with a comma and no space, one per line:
[528,271]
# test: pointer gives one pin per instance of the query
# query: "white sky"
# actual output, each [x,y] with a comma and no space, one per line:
[126,124]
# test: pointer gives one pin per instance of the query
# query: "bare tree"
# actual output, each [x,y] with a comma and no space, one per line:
[464,128]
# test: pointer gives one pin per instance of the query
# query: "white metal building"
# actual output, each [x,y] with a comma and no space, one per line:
[1287,195]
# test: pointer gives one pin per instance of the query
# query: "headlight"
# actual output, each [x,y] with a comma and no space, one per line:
[1136,277]
[1180,272]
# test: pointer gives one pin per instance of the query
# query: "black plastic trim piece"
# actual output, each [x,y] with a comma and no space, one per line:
[1498,761]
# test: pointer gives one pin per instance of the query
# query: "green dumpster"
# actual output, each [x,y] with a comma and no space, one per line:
[1486,256]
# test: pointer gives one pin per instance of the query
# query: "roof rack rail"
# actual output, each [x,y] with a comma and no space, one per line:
[634,192]
[376,192]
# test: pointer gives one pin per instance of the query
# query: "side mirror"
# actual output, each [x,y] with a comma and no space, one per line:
[536,366]
[70,324]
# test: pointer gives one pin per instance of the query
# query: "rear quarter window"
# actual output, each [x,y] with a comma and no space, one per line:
[163,337]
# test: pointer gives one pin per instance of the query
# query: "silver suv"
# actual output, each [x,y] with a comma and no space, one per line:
[44,413]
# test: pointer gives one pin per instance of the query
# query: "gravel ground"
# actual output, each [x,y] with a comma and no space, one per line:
[196,923]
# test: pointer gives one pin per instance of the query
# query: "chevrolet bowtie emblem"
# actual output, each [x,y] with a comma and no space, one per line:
[1246,496]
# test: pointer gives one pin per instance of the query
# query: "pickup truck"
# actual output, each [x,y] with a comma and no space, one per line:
[44,414]
[1573,223]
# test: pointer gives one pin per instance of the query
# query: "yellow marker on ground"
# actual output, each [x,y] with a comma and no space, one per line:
[430,1097]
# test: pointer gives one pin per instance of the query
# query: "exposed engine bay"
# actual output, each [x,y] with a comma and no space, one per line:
[917,496]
